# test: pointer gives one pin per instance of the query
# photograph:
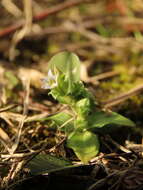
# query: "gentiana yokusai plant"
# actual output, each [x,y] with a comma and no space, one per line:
[84,119]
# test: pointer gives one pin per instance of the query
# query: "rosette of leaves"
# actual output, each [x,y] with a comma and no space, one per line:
[84,119]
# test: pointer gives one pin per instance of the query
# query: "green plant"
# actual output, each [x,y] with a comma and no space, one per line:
[84,118]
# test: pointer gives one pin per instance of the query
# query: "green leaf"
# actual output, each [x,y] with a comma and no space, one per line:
[63,119]
[85,145]
[45,163]
[83,106]
[100,119]
[68,64]
[60,118]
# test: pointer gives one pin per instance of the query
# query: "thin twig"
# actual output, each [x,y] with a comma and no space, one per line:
[104,75]
[123,97]
[19,155]
[120,147]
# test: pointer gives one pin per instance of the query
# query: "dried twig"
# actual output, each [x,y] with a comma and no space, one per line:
[25,110]
[120,147]
[110,45]
[113,42]
[123,97]
[104,76]
[8,107]
[132,23]
[11,8]
[18,155]
[43,15]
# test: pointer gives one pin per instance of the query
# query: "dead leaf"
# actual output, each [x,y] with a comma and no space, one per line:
[34,76]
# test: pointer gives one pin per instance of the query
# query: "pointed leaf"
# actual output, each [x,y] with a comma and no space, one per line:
[63,119]
[100,119]
[60,118]
[46,163]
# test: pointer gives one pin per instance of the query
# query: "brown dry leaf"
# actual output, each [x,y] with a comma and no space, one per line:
[32,74]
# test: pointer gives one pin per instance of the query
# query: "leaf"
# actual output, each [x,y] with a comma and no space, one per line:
[63,119]
[85,145]
[45,163]
[83,106]
[100,119]
[68,64]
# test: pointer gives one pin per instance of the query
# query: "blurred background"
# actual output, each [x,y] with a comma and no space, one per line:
[105,34]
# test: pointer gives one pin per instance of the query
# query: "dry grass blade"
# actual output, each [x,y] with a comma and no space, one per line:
[15,144]
[5,140]
[6,118]
[25,110]
[8,107]
[19,155]
[123,97]
[10,116]
[104,75]
[37,117]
